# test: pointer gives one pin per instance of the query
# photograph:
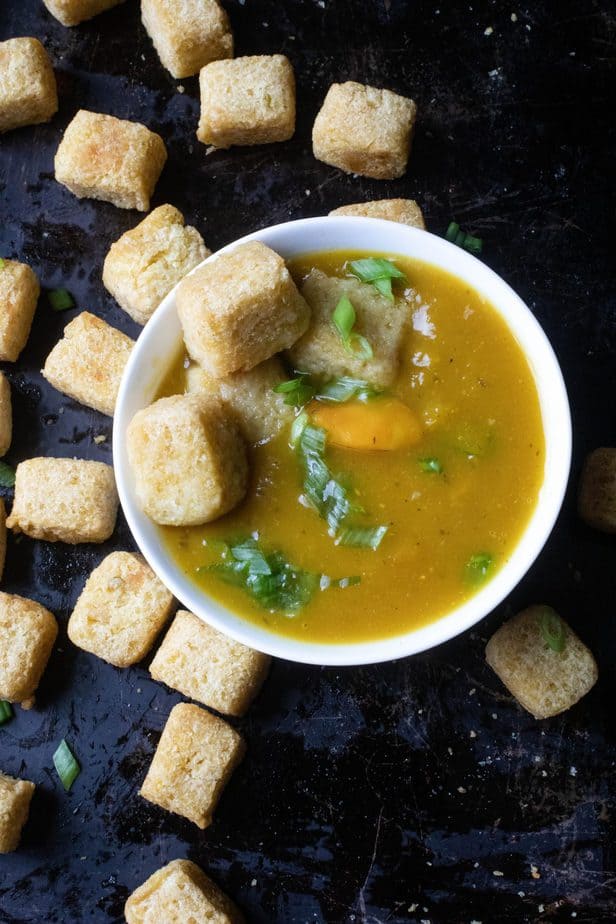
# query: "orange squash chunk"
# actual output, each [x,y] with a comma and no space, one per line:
[379,424]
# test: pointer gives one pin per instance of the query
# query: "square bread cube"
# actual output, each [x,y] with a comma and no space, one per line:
[87,364]
[120,611]
[247,100]
[146,262]
[6,415]
[597,493]
[544,681]
[179,893]
[404,211]
[19,292]
[187,35]
[195,757]
[260,412]
[188,460]
[364,130]
[2,537]
[72,12]
[27,635]
[15,798]
[101,157]
[205,665]
[28,93]
[64,500]
[239,309]
[382,322]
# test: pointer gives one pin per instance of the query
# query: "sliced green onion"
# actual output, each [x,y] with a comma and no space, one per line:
[61,299]
[6,712]
[1,263]
[359,345]
[344,318]
[66,765]
[452,232]
[7,475]
[345,388]
[478,567]
[552,628]
[297,428]
[297,391]
[455,235]
[362,537]
[379,272]
[431,464]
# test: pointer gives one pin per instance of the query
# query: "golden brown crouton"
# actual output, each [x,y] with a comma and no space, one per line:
[28,93]
[382,322]
[87,364]
[541,661]
[195,757]
[404,211]
[64,500]
[27,635]
[6,415]
[207,666]
[120,611]
[364,130]
[72,12]
[247,100]
[101,157]
[147,261]
[187,35]
[19,292]
[188,459]
[179,893]
[597,495]
[2,537]
[15,797]
[239,309]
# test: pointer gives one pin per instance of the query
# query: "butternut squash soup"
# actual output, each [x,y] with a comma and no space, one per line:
[397,454]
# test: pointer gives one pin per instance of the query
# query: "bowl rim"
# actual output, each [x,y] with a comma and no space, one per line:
[556,420]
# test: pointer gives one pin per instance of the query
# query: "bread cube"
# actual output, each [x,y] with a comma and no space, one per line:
[382,322]
[195,757]
[179,893]
[6,415]
[101,157]
[27,635]
[28,93]
[87,364]
[404,211]
[120,611]
[207,666]
[15,798]
[239,309]
[64,500]
[544,681]
[147,261]
[19,292]
[247,100]
[188,460]
[187,35]
[2,537]
[72,12]
[364,130]
[597,494]
[260,412]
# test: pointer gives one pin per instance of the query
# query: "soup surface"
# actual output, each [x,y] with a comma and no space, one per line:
[455,502]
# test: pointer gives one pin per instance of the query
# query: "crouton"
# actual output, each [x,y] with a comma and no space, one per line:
[189,35]
[28,93]
[64,500]
[146,262]
[178,893]
[239,309]
[15,797]
[404,211]
[6,415]
[27,635]
[72,12]
[2,537]
[101,157]
[260,412]
[247,100]
[120,611]
[545,678]
[188,460]
[87,364]
[382,322]
[364,130]
[207,666]
[19,292]
[597,494]
[194,760]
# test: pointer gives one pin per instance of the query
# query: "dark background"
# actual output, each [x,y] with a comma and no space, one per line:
[392,793]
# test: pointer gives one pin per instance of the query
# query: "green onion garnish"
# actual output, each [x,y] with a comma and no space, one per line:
[379,272]
[478,566]
[431,464]
[1,263]
[7,475]
[455,235]
[61,299]
[66,766]
[297,428]
[345,388]
[297,391]
[343,319]
[6,712]
[362,537]
[552,628]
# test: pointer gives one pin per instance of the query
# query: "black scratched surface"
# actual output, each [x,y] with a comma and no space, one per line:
[416,791]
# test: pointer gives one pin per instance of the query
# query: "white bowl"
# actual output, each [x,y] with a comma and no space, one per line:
[157,346]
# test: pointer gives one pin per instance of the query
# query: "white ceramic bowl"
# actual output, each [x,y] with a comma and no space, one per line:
[157,345]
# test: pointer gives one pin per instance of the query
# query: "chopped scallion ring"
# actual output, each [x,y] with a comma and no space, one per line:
[478,567]
[343,319]
[298,391]
[379,272]
[362,537]
[61,299]
[6,712]
[7,475]
[455,235]
[552,629]
[432,465]
[66,765]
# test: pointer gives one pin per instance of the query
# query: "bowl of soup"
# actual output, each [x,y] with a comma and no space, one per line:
[407,456]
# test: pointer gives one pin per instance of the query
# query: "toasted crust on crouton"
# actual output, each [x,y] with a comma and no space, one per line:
[72,12]
[19,292]
[177,893]
[597,492]
[28,93]
[6,415]
[27,635]
[404,211]
[15,798]
[189,35]
[2,537]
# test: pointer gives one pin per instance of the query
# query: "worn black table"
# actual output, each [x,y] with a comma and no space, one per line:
[407,792]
